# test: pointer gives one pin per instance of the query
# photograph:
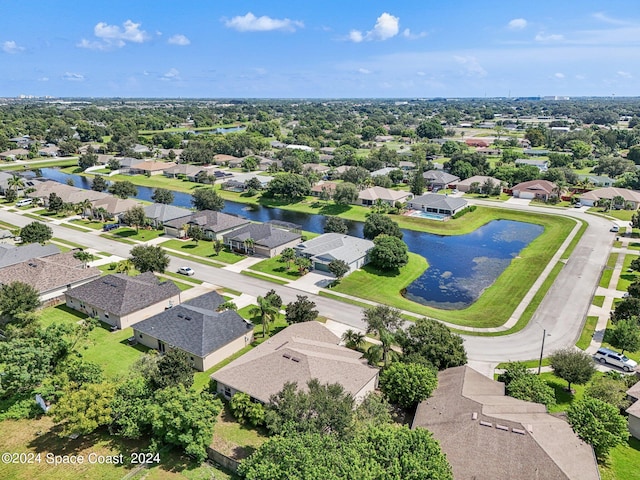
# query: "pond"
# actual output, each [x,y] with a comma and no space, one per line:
[461,267]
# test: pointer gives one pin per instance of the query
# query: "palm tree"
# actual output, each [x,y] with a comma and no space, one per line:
[267,313]
[383,321]
[353,339]
[84,257]
[101,213]
[83,206]
[287,256]
[218,246]
[249,244]
[15,183]
[124,266]
[303,264]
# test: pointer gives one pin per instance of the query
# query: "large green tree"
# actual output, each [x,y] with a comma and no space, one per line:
[135,217]
[301,310]
[430,129]
[36,232]
[380,224]
[598,423]
[16,299]
[206,198]
[82,410]
[433,342]
[346,193]
[149,258]
[335,225]
[288,185]
[162,195]
[524,385]
[407,384]
[99,184]
[174,368]
[389,253]
[626,335]
[384,322]
[124,189]
[574,366]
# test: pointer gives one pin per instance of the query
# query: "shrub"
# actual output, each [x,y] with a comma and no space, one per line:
[246,411]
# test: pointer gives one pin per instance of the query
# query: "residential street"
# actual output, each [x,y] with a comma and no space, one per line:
[561,312]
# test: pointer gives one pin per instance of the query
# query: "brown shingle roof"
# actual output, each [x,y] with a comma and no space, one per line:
[298,354]
[508,439]
[48,273]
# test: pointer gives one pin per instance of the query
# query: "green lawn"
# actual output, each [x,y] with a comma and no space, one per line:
[182,277]
[53,163]
[249,273]
[203,248]
[67,242]
[142,235]
[497,303]
[605,279]
[564,399]
[623,462]
[587,333]
[93,224]
[626,277]
[182,286]
[598,300]
[108,349]
[275,267]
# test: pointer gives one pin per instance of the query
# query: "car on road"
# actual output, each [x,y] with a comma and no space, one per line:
[577,205]
[615,229]
[186,271]
[605,355]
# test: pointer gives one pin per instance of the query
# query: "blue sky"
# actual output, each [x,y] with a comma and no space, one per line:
[285,49]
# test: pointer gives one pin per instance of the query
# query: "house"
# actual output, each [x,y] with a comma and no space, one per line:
[49,151]
[213,224]
[10,254]
[370,196]
[324,186]
[489,436]
[150,167]
[13,154]
[5,177]
[439,179]
[541,165]
[475,142]
[195,327]
[631,197]
[535,152]
[317,168]
[223,159]
[239,181]
[297,354]
[406,166]
[51,276]
[469,183]
[113,206]
[538,189]
[488,151]
[121,300]
[159,213]
[304,148]
[634,411]
[383,138]
[383,171]
[263,239]
[67,193]
[598,180]
[323,249]
[436,203]
[127,163]
[183,170]
[138,148]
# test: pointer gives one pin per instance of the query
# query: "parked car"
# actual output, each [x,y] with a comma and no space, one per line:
[605,355]
[110,226]
[615,229]
[24,202]
[186,271]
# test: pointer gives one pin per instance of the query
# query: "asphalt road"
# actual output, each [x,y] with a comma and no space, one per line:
[561,312]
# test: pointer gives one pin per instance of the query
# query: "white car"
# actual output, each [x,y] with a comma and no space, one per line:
[186,271]
[605,355]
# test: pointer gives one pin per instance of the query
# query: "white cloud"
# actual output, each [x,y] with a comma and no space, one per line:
[251,23]
[580,77]
[356,36]
[543,37]
[421,74]
[364,71]
[559,75]
[517,24]
[607,19]
[624,74]
[471,65]
[113,36]
[73,77]
[179,39]
[172,75]
[11,47]
[406,33]
[387,26]
[43,79]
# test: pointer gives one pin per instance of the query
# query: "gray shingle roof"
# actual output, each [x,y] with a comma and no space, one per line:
[209,220]
[10,255]
[121,294]
[163,213]
[337,246]
[195,326]
[440,177]
[263,234]
[434,200]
